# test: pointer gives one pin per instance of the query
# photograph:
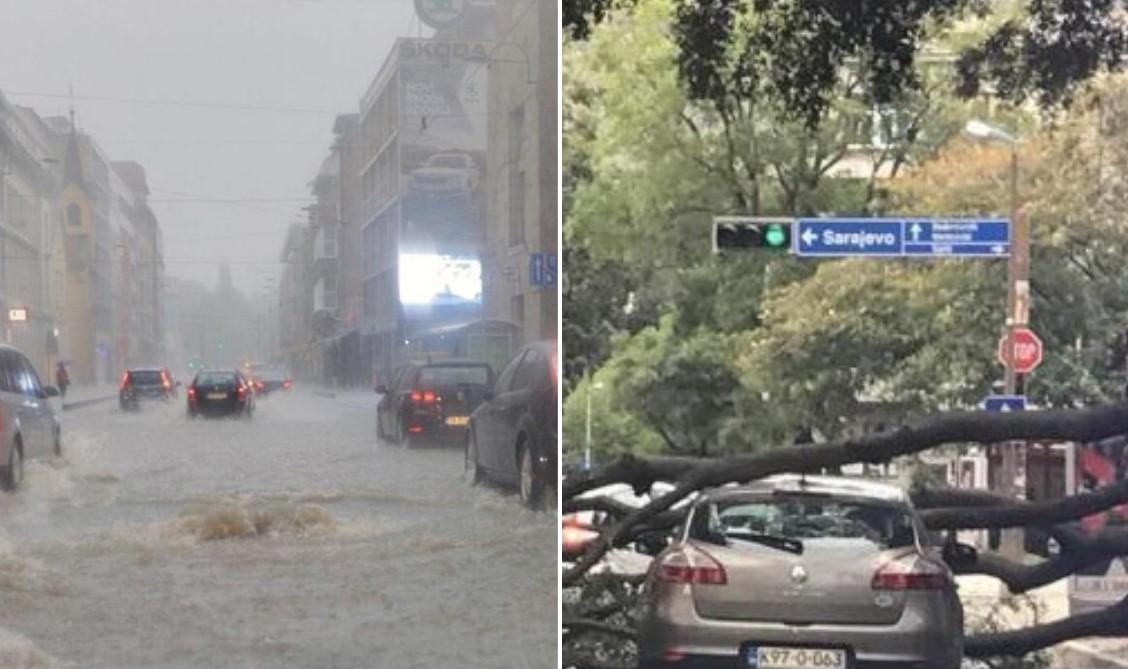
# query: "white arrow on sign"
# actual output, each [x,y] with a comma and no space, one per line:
[916,230]
[998,248]
[809,236]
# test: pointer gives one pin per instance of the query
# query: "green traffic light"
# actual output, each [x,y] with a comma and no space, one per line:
[775,236]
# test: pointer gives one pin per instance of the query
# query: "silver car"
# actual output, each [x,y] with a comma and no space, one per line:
[802,573]
[29,427]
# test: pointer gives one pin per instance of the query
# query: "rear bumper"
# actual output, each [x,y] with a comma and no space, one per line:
[931,640]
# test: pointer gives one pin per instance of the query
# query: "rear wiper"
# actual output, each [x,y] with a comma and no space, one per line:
[769,540]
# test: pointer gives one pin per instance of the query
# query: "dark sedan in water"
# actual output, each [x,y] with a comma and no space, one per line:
[512,437]
[221,393]
[431,401]
[138,385]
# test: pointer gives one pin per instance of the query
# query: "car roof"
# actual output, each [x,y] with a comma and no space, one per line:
[838,486]
[145,369]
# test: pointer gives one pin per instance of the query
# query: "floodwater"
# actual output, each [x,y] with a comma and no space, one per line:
[292,540]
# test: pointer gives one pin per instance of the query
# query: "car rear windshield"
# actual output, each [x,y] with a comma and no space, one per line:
[214,378]
[803,518]
[145,377]
[438,376]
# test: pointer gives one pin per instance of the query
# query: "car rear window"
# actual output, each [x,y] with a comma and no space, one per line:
[214,378]
[145,377]
[804,518]
[432,377]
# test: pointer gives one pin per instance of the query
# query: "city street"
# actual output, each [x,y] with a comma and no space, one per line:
[291,540]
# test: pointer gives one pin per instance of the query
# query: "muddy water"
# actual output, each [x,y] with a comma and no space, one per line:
[293,540]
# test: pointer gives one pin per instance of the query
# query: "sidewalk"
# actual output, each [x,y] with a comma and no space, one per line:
[78,396]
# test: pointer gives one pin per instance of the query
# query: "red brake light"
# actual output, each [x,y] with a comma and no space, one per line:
[416,397]
[242,391]
[428,397]
[424,397]
[691,565]
[124,380]
[915,575]
[415,429]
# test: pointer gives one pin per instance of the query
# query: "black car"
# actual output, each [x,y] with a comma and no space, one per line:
[142,384]
[431,401]
[221,392]
[512,437]
[268,380]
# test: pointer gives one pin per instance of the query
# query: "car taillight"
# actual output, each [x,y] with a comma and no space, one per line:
[124,380]
[910,574]
[691,565]
[242,391]
[287,385]
[425,397]
[192,395]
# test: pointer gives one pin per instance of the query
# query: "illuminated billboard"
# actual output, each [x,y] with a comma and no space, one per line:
[435,285]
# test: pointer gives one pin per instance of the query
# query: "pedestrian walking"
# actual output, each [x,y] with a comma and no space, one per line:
[62,379]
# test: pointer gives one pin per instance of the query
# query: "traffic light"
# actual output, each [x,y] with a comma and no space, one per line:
[751,233]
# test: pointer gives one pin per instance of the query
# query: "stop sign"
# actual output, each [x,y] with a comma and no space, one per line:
[1023,351]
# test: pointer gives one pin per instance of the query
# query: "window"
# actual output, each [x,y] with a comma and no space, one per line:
[433,377]
[8,374]
[505,380]
[529,370]
[516,176]
[805,518]
[27,381]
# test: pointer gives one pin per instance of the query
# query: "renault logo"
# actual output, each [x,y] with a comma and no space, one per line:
[798,574]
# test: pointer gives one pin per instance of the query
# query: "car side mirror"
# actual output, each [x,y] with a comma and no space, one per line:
[960,556]
[50,391]
[382,389]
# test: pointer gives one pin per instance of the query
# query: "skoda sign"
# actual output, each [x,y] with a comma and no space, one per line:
[439,13]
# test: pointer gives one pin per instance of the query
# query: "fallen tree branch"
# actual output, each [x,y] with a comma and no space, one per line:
[1108,622]
[1083,425]
[574,626]
[1026,514]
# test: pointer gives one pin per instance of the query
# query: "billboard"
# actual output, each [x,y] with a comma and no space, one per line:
[443,129]
[440,286]
[1096,466]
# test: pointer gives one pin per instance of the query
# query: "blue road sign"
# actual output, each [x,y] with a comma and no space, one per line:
[536,269]
[550,269]
[1005,403]
[895,237]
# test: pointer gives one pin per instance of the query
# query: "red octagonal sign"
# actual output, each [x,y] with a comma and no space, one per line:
[1022,353]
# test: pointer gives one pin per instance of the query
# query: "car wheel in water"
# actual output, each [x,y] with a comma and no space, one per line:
[379,427]
[404,438]
[472,469]
[531,482]
[13,474]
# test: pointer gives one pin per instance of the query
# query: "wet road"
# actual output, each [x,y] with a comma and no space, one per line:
[293,540]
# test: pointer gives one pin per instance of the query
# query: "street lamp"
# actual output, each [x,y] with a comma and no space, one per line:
[1018,264]
[1018,296]
[598,385]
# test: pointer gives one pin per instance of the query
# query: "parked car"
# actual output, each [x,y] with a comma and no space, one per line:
[221,392]
[142,384]
[29,427]
[432,401]
[512,437]
[801,572]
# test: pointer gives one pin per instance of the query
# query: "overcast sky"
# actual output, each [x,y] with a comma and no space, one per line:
[282,54]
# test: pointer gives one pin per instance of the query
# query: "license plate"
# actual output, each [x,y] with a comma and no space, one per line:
[777,657]
[458,420]
[217,396]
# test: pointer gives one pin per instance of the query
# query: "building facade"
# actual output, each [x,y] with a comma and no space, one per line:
[522,232]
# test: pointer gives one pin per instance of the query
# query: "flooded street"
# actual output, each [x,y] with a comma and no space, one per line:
[291,540]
